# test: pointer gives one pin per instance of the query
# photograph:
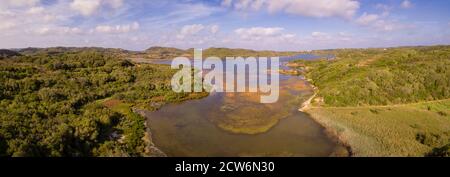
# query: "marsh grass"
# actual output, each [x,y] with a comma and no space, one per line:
[402,130]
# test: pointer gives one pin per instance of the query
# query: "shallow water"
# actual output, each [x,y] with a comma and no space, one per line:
[204,128]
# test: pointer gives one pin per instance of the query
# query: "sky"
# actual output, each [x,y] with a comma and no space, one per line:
[253,24]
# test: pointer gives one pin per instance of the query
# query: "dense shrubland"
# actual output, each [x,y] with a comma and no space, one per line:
[54,104]
[382,77]
[388,102]
[8,53]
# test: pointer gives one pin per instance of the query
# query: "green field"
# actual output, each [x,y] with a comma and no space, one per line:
[404,130]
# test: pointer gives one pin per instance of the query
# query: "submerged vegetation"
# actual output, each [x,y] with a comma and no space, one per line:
[79,103]
[85,101]
[243,113]
[385,102]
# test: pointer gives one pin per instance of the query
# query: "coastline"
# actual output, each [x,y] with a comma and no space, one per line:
[343,148]
[151,148]
[385,131]
[341,137]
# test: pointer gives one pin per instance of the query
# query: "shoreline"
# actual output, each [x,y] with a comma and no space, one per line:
[374,131]
[154,151]
[151,148]
[339,137]
[330,131]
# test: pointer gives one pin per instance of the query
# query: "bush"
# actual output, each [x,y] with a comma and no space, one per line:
[440,152]
[52,104]
[376,77]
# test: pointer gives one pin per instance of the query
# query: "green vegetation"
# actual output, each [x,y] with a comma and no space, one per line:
[73,50]
[382,77]
[165,53]
[385,102]
[7,54]
[226,52]
[404,130]
[79,103]
[171,53]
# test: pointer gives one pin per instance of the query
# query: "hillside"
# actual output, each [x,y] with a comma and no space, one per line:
[153,52]
[171,53]
[62,50]
[227,52]
[79,104]
[8,53]
[384,102]
[164,53]
[382,77]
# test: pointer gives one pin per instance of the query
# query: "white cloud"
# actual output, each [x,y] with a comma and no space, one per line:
[90,7]
[262,38]
[214,29]
[118,28]
[7,25]
[35,10]
[327,38]
[381,22]
[86,7]
[367,19]
[386,25]
[406,4]
[317,34]
[58,31]
[190,30]
[311,8]
[18,3]
[29,15]
[257,33]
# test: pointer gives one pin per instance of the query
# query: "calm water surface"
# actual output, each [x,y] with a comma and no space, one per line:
[191,129]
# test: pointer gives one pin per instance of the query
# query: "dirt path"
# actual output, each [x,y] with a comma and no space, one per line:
[307,104]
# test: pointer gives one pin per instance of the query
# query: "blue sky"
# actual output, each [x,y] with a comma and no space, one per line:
[253,24]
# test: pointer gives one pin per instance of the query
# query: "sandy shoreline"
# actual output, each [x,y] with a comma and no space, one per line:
[341,137]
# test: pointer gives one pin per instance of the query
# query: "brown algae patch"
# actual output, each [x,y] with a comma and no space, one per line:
[243,113]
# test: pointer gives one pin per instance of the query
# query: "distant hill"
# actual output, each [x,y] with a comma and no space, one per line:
[164,53]
[8,53]
[227,52]
[377,76]
[164,50]
[170,53]
[60,50]
[155,52]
